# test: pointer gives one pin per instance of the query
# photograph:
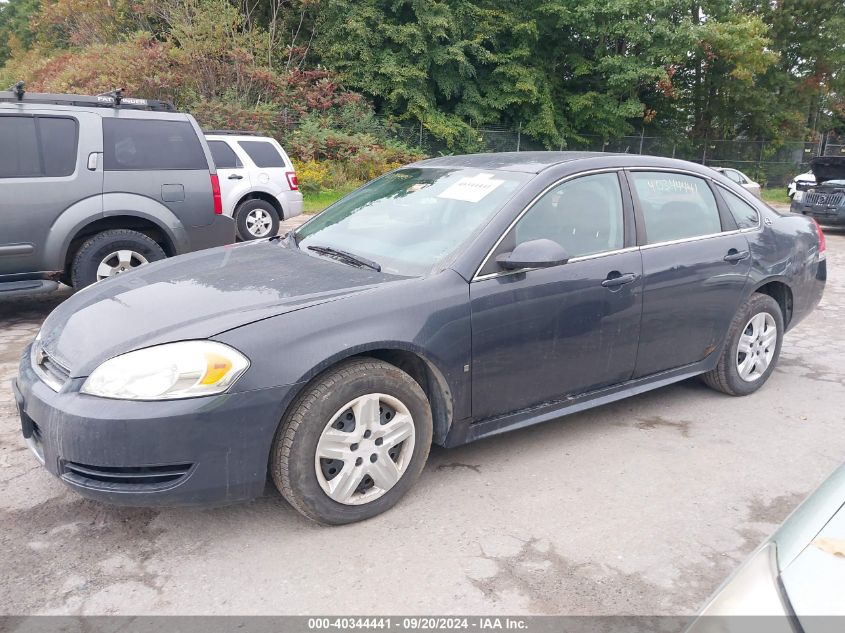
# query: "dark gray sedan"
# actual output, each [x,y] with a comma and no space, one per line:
[446,301]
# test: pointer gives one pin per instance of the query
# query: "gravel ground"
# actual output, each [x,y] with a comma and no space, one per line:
[639,507]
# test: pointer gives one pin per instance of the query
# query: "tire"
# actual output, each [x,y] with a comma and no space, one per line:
[85,269]
[294,460]
[256,219]
[727,376]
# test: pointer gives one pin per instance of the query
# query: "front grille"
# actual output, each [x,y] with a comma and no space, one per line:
[50,370]
[127,478]
[814,198]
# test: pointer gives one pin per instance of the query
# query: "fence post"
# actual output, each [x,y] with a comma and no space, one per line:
[704,153]
[673,149]
[421,133]
[642,135]
[518,136]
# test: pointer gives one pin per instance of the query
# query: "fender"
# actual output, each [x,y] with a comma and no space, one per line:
[259,189]
[442,401]
[81,214]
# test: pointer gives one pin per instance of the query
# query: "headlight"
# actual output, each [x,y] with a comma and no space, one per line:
[165,372]
[798,196]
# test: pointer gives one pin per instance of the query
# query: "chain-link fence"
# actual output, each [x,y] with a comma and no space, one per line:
[772,163]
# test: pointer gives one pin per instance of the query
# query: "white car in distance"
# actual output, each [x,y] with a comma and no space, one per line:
[257,182]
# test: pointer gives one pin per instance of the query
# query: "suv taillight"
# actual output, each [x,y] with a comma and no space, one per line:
[293,183]
[215,193]
[822,245]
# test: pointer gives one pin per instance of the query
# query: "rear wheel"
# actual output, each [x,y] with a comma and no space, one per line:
[752,349]
[256,219]
[353,444]
[111,253]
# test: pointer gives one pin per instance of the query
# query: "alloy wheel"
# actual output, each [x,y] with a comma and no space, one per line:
[365,449]
[756,346]
[119,262]
[258,222]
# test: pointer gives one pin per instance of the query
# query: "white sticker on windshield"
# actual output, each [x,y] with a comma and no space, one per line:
[471,189]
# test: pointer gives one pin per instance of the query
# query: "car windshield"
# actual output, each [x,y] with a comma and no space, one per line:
[410,220]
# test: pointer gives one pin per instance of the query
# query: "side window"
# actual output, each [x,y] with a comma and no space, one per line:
[733,175]
[37,146]
[262,153]
[675,206]
[223,155]
[583,215]
[58,138]
[745,215]
[19,156]
[150,144]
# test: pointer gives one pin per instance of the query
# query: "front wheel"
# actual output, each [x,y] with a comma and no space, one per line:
[752,349]
[353,443]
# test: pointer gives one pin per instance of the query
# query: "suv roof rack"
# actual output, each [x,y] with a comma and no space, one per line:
[114,99]
[231,133]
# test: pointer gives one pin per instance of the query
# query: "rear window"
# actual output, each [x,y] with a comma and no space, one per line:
[744,214]
[262,153]
[149,144]
[676,206]
[224,157]
[37,146]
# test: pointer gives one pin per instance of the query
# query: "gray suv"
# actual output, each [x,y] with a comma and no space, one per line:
[93,186]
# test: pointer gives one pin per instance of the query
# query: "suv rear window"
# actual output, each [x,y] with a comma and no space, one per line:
[262,153]
[224,157]
[37,146]
[150,144]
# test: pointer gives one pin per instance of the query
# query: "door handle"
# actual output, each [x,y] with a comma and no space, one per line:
[734,256]
[235,177]
[616,280]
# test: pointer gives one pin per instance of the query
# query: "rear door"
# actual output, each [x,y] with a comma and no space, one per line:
[43,171]
[695,267]
[160,158]
[234,177]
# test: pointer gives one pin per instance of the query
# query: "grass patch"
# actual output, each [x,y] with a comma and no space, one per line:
[776,195]
[316,202]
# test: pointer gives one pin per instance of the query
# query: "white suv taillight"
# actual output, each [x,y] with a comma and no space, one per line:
[293,183]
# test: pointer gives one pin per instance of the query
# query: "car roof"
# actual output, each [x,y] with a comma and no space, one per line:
[527,162]
[536,162]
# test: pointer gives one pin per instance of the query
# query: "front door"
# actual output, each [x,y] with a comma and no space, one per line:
[540,335]
[695,266]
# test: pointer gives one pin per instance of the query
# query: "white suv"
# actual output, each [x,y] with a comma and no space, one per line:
[257,182]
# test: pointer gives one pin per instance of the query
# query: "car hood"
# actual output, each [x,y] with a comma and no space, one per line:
[194,296]
[828,168]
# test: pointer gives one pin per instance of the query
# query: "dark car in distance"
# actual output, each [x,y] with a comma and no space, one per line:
[446,301]
[824,200]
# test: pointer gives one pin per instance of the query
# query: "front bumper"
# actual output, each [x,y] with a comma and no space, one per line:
[207,450]
[831,216]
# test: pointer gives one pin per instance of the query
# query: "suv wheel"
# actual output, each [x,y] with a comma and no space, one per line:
[110,253]
[353,443]
[256,219]
[752,349]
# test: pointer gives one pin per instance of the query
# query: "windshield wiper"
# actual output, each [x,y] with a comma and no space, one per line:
[349,258]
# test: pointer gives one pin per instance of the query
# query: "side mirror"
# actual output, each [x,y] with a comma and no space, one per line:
[540,253]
